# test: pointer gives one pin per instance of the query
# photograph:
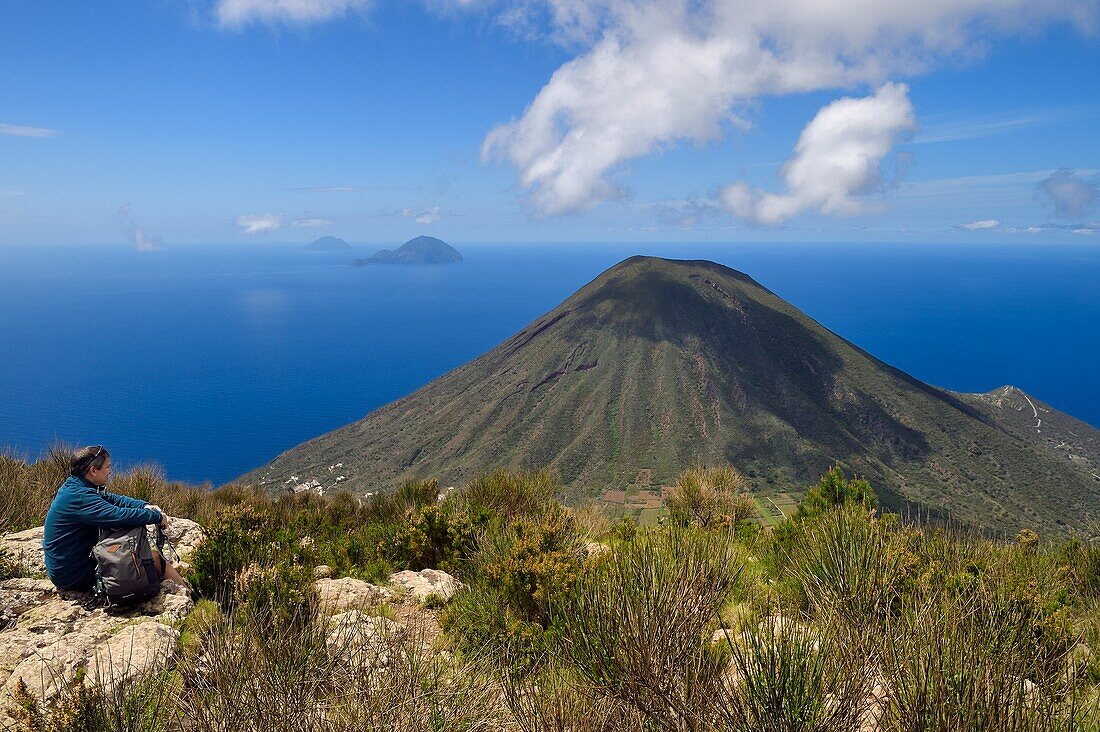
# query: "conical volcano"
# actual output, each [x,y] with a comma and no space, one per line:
[660,365]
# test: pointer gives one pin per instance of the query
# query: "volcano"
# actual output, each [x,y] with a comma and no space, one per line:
[659,365]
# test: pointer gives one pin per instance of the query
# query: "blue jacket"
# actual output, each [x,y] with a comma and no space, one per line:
[77,513]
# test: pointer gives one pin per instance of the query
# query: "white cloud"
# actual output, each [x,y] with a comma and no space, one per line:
[948,128]
[983,225]
[837,159]
[655,73]
[22,131]
[240,13]
[11,193]
[1067,193]
[1085,231]
[310,222]
[260,223]
[425,216]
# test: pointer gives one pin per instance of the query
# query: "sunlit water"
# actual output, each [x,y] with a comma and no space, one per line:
[212,360]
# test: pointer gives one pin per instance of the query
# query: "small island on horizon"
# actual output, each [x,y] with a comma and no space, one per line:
[327,244]
[420,250]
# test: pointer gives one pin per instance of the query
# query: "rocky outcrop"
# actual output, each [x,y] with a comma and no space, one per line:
[346,593]
[366,641]
[25,548]
[426,583]
[50,638]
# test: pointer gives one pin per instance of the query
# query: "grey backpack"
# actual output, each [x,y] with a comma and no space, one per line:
[125,573]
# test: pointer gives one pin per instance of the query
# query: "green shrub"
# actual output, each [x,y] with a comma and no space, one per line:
[846,566]
[529,559]
[635,625]
[790,676]
[432,537]
[835,490]
[239,536]
[709,498]
[508,495]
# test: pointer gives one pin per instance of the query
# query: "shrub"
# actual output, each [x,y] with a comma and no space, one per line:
[787,676]
[433,537]
[274,594]
[508,495]
[846,566]
[708,498]
[635,625]
[239,536]
[972,663]
[835,490]
[529,559]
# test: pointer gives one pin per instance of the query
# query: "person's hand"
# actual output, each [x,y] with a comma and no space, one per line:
[154,507]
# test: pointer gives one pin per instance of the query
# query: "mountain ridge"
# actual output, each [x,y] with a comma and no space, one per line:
[662,364]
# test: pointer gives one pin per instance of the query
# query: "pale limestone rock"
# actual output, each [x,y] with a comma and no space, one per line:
[16,645]
[46,671]
[426,583]
[17,596]
[49,637]
[322,571]
[185,535]
[173,604]
[134,651]
[26,548]
[335,595]
[595,549]
[363,641]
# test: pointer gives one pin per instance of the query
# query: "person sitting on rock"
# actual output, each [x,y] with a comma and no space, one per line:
[80,509]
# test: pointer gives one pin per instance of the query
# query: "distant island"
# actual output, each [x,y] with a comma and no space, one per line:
[327,244]
[421,250]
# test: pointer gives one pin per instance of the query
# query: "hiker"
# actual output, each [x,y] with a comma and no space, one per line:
[80,509]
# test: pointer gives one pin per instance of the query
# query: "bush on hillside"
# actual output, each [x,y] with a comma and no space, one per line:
[433,537]
[708,498]
[506,495]
[635,625]
[835,490]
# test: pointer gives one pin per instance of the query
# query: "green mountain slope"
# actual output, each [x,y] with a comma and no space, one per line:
[660,365]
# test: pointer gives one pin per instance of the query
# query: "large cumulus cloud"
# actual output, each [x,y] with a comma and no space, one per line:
[655,73]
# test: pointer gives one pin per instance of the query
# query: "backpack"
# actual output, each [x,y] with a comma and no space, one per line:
[125,574]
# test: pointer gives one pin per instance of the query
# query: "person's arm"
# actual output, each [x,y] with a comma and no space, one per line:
[122,501]
[96,510]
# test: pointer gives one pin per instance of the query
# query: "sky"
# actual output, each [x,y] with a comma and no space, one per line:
[167,123]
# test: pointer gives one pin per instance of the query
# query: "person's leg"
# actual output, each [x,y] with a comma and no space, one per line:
[167,571]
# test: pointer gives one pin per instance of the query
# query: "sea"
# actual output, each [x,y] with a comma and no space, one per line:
[210,360]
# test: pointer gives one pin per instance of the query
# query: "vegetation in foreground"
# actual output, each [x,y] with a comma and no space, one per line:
[836,619]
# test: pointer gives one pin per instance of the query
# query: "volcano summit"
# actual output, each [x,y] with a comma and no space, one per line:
[659,365]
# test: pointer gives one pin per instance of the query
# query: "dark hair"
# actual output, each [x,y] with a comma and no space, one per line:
[86,458]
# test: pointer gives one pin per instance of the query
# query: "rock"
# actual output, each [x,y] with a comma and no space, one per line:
[20,595]
[335,595]
[135,651]
[322,571]
[364,640]
[185,535]
[26,548]
[426,583]
[48,638]
[595,549]
[172,605]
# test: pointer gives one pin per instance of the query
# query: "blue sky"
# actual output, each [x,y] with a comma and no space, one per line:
[172,123]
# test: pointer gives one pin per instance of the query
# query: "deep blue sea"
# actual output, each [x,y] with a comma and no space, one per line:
[210,360]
